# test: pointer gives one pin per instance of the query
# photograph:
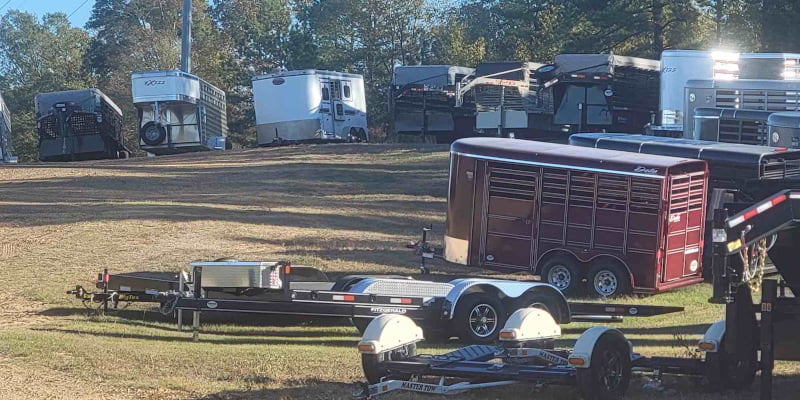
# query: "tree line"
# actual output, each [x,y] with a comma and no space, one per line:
[236,39]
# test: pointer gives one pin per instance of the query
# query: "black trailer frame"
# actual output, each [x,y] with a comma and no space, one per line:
[430,311]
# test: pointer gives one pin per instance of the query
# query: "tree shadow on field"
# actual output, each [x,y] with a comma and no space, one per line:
[312,389]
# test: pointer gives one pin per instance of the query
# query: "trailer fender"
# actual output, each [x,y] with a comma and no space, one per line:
[509,289]
[581,356]
[527,324]
[713,337]
[388,332]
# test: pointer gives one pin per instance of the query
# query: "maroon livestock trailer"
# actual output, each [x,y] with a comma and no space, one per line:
[621,222]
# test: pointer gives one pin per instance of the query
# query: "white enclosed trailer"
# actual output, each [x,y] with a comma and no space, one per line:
[309,105]
[6,148]
[178,112]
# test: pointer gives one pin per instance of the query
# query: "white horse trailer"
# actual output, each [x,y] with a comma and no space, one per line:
[178,112]
[309,105]
[6,149]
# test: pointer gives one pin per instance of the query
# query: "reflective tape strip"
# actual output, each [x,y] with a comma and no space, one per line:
[736,221]
[337,297]
[758,210]
[794,196]
[396,300]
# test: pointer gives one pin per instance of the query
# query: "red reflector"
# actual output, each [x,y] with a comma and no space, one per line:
[659,253]
[349,298]
[106,278]
[781,149]
[778,200]
[581,76]
[750,214]
[405,301]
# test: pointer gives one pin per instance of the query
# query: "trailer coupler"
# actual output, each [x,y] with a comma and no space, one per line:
[391,385]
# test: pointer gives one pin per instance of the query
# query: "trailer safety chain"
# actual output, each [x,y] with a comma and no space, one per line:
[754,259]
[168,306]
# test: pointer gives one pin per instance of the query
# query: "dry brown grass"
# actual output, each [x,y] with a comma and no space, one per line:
[345,208]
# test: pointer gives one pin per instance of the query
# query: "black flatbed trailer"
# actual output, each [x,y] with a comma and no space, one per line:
[179,293]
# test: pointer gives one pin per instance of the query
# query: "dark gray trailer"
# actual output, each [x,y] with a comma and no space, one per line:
[577,93]
[6,147]
[76,125]
[422,102]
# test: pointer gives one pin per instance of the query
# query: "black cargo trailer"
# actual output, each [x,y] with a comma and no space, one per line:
[78,125]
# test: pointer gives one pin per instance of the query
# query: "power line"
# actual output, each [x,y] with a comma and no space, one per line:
[76,10]
[4,5]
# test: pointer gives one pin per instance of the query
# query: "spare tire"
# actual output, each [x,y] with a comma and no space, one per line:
[547,72]
[153,133]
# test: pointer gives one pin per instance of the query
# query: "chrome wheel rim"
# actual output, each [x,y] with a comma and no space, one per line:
[605,283]
[560,277]
[483,320]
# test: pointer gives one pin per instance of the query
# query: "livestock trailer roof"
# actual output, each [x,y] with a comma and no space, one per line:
[436,75]
[165,72]
[574,157]
[785,119]
[299,72]
[494,67]
[602,62]
[757,84]
[729,160]
[84,97]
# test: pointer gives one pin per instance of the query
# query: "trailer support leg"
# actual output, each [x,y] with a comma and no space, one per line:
[180,319]
[768,293]
[195,325]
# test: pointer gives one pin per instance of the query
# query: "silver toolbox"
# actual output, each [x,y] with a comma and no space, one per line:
[240,274]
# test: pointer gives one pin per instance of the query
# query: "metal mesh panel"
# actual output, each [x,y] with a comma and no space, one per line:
[402,287]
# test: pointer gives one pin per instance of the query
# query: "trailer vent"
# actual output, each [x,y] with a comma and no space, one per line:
[765,100]
[778,168]
[742,131]
[512,181]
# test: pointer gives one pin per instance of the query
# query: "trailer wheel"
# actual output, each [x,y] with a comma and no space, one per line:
[542,302]
[371,362]
[153,133]
[563,273]
[609,373]
[608,279]
[479,317]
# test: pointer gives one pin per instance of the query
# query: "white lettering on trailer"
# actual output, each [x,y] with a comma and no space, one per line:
[419,387]
[387,310]
[674,218]
[644,170]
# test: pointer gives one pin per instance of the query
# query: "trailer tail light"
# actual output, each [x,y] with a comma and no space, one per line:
[399,300]
[707,346]
[577,361]
[508,335]
[287,269]
[757,210]
[347,297]
[366,348]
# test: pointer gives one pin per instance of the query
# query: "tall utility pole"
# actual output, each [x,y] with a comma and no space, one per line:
[186,37]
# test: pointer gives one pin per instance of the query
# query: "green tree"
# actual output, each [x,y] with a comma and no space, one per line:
[38,56]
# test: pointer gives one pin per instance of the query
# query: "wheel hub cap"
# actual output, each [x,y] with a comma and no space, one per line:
[560,277]
[483,320]
[605,283]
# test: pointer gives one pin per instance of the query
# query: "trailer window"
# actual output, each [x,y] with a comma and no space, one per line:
[326,94]
[346,91]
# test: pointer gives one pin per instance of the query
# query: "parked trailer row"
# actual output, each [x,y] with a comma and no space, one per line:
[602,361]
[473,309]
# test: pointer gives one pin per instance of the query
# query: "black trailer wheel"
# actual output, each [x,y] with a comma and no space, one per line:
[724,371]
[564,273]
[609,373]
[153,133]
[361,324]
[542,302]
[607,279]
[479,317]
[371,363]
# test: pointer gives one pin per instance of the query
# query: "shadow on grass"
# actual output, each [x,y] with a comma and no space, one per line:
[307,389]
[204,338]
[693,329]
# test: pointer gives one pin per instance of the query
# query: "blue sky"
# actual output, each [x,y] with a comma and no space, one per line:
[80,14]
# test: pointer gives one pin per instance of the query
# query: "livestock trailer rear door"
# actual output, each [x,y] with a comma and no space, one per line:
[326,106]
[508,216]
[684,229]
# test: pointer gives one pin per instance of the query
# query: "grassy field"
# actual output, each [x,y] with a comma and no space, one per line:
[344,208]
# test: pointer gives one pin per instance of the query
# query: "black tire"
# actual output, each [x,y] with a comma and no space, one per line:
[565,274]
[370,363]
[153,133]
[547,72]
[544,302]
[725,372]
[609,373]
[608,279]
[361,324]
[479,317]
[363,133]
